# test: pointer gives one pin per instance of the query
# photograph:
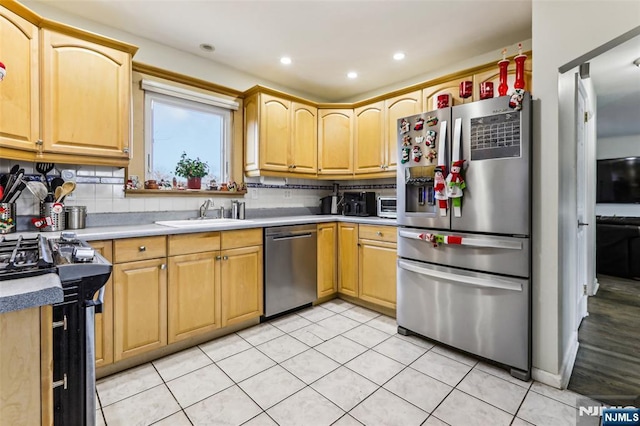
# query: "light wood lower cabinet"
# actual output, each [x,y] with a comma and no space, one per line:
[367,263]
[348,259]
[327,279]
[194,295]
[140,307]
[104,320]
[241,276]
[26,367]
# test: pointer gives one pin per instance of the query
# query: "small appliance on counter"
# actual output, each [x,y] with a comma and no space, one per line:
[329,204]
[387,207]
[359,204]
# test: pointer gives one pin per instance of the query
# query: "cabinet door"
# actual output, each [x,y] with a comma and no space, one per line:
[395,108]
[370,149]
[19,92]
[275,133]
[193,295]
[377,262]
[452,88]
[86,97]
[241,282]
[140,307]
[493,74]
[327,257]
[251,134]
[104,320]
[304,139]
[335,141]
[348,259]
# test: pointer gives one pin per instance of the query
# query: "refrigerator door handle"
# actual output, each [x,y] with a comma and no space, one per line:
[468,241]
[496,283]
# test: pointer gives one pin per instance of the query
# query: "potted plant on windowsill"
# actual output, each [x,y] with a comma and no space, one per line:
[193,170]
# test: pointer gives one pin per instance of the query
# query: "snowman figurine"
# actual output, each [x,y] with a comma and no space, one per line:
[455,185]
[439,186]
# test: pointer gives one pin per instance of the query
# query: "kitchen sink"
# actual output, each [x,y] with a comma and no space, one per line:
[193,223]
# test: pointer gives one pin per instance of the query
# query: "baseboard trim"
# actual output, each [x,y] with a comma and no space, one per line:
[561,380]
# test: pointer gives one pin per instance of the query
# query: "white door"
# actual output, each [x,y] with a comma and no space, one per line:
[582,118]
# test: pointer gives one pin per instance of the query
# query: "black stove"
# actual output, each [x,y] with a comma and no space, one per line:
[82,273]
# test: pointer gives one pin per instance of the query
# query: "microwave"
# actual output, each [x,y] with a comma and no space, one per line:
[387,207]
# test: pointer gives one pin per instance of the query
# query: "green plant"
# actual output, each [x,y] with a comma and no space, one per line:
[189,168]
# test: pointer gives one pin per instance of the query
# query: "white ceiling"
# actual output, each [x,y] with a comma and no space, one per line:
[324,38]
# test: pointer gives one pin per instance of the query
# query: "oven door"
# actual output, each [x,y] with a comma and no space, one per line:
[483,314]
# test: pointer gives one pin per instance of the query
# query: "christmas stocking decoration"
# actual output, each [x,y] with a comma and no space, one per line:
[416,154]
[405,155]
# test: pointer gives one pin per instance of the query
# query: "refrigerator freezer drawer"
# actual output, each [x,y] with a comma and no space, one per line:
[498,255]
[482,314]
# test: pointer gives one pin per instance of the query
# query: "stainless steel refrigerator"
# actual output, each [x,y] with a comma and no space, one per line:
[464,263]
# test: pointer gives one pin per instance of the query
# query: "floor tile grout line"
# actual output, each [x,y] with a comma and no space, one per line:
[138,393]
[555,399]
[493,405]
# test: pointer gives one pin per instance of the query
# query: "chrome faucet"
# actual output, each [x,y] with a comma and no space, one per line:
[204,207]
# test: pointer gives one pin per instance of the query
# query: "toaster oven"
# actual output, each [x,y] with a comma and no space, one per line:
[387,207]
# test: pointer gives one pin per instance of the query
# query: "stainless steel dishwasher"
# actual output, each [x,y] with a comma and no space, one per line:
[290,268]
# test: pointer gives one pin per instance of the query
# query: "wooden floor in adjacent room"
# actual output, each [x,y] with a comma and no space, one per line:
[607,366]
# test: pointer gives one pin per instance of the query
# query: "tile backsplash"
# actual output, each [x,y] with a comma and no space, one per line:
[101,190]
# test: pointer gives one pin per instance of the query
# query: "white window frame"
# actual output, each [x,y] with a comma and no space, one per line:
[179,97]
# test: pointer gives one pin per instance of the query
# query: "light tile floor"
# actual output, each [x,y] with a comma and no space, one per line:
[335,363]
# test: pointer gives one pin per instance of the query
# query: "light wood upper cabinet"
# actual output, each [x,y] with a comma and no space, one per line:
[275,133]
[452,88]
[104,320]
[241,277]
[304,139]
[280,136]
[395,108]
[140,307]
[493,74]
[327,257]
[19,92]
[370,150]
[335,141]
[348,259]
[86,97]
[193,295]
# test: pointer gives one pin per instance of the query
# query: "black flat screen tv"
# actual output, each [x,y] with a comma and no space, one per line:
[618,180]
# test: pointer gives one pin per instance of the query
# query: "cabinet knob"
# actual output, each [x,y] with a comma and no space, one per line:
[39,142]
[142,248]
[125,150]
[293,166]
[379,234]
[218,257]
[225,257]
[163,266]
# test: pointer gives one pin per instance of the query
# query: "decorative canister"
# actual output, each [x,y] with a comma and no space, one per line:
[7,218]
[75,217]
[53,215]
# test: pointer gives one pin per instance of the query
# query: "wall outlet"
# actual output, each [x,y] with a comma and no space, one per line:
[253,193]
[68,175]
[287,194]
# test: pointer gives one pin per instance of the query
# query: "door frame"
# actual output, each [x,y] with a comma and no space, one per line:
[583,115]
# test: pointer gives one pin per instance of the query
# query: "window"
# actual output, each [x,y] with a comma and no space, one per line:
[177,121]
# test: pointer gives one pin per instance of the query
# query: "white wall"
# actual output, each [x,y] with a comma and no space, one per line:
[561,32]
[619,147]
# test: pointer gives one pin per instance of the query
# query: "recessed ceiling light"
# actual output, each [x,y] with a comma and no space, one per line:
[285,60]
[352,74]
[398,56]
[207,47]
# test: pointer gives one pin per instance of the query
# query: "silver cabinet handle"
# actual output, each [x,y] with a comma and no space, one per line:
[163,266]
[62,323]
[125,150]
[39,142]
[218,257]
[225,257]
[379,234]
[142,248]
[62,382]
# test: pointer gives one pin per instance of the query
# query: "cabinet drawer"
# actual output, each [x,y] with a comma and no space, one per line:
[193,243]
[378,233]
[142,248]
[241,238]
